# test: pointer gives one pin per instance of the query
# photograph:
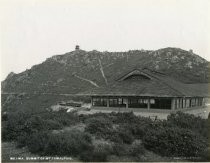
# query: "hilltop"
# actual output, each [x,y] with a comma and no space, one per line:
[80,70]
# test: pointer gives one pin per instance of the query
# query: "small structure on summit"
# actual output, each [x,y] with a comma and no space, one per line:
[191,51]
[77,47]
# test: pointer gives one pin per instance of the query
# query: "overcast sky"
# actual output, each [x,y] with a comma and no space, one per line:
[33,30]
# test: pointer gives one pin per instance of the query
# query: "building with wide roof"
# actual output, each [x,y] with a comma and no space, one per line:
[147,89]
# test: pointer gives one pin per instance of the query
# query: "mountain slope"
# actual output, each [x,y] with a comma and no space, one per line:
[80,70]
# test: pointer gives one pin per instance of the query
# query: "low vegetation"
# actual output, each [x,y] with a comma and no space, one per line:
[109,137]
[62,144]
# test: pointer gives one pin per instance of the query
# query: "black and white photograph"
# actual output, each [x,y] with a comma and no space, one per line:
[105,80]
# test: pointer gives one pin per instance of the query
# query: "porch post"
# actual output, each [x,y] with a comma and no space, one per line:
[107,103]
[91,101]
[190,102]
[203,101]
[126,102]
[173,104]
[148,103]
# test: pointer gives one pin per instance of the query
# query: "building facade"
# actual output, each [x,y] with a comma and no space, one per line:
[143,102]
[146,89]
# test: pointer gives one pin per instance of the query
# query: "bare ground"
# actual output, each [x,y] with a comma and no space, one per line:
[202,112]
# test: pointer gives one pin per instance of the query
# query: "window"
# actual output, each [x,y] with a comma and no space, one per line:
[137,102]
[145,101]
[99,101]
[152,101]
[117,102]
[120,101]
[161,103]
[180,103]
[187,103]
[184,103]
[177,102]
[200,101]
[193,102]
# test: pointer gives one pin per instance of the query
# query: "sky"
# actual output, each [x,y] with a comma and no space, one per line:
[33,30]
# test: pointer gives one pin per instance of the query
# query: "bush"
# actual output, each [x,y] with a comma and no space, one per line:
[137,151]
[66,119]
[121,135]
[136,129]
[14,126]
[96,115]
[117,118]
[174,141]
[137,148]
[99,154]
[6,136]
[38,142]
[23,140]
[34,124]
[37,123]
[69,143]
[19,124]
[99,126]
[126,117]
[52,125]
[121,149]
[206,155]
[189,121]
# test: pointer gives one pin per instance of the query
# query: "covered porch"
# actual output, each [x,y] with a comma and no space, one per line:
[138,102]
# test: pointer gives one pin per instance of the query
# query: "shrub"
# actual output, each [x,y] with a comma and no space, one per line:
[137,148]
[5,132]
[52,125]
[14,126]
[114,137]
[188,121]
[121,149]
[174,141]
[125,135]
[205,156]
[19,123]
[125,117]
[137,151]
[99,126]
[99,154]
[23,139]
[38,142]
[34,124]
[87,117]
[37,124]
[4,116]
[66,119]
[70,143]
[115,117]
[137,130]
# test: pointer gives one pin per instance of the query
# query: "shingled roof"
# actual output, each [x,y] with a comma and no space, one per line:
[145,82]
